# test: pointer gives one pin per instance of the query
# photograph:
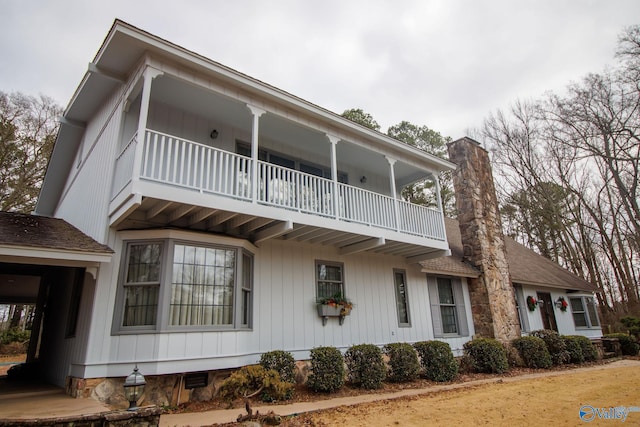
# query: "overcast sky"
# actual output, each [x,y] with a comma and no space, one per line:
[445,64]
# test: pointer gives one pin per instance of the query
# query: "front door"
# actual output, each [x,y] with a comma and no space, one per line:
[546,311]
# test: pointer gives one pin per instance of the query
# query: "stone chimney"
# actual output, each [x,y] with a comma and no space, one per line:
[492,295]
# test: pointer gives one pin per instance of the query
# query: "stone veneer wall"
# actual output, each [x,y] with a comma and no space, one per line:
[161,390]
[492,295]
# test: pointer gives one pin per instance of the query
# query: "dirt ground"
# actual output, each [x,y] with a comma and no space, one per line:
[540,400]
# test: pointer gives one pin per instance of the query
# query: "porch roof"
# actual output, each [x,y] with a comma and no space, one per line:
[25,238]
[525,266]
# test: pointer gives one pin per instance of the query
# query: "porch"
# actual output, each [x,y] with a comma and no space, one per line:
[163,179]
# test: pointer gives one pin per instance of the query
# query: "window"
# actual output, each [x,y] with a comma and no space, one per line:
[142,284]
[244,149]
[584,312]
[175,284]
[402,303]
[329,279]
[447,307]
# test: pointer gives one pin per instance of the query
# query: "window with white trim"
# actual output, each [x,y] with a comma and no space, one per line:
[170,284]
[585,314]
[329,279]
[447,307]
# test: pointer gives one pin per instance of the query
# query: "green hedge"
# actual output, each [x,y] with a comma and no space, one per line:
[486,355]
[282,362]
[365,366]
[555,344]
[574,348]
[589,351]
[628,344]
[533,351]
[327,370]
[403,362]
[437,360]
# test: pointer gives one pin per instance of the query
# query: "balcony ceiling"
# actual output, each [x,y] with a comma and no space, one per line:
[288,133]
[155,213]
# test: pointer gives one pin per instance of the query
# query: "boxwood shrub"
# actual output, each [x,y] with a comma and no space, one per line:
[437,360]
[589,351]
[555,344]
[327,370]
[403,362]
[486,355]
[628,344]
[365,366]
[282,362]
[574,348]
[533,351]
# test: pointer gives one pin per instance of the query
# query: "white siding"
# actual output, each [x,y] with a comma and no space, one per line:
[285,316]
[564,320]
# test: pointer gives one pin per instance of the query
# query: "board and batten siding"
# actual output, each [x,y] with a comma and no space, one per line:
[85,199]
[284,315]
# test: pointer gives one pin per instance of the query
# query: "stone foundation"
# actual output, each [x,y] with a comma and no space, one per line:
[161,390]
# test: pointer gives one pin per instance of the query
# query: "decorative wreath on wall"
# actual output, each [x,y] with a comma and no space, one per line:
[562,304]
[532,303]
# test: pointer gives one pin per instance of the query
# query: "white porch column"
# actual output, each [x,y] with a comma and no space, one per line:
[256,112]
[333,140]
[439,200]
[394,192]
[147,78]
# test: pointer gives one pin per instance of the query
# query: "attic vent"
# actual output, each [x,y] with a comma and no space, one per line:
[196,380]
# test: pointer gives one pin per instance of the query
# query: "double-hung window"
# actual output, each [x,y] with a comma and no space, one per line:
[173,284]
[447,307]
[585,314]
[329,279]
[142,284]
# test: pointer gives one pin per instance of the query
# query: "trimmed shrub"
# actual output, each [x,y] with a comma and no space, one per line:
[628,345]
[403,362]
[574,348]
[632,324]
[252,380]
[327,370]
[365,366]
[589,352]
[513,356]
[555,344]
[533,351]
[437,360]
[282,362]
[487,355]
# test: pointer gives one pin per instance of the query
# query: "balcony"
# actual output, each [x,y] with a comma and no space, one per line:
[187,176]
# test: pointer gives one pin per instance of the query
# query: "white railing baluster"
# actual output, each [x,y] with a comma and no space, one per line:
[191,165]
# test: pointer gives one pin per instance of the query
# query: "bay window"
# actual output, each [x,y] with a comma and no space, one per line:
[176,285]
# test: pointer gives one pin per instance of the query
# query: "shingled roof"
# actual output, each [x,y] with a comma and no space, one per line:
[22,230]
[525,266]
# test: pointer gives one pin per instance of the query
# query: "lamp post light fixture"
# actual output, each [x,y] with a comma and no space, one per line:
[133,388]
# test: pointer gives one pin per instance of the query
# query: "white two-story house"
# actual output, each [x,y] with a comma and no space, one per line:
[231,208]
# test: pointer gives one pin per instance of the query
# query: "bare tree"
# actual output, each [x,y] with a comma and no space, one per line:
[28,128]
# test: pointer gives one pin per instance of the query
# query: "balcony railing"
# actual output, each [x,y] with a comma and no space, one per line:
[175,161]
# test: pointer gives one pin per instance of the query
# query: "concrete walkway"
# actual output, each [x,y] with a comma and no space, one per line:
[45,402]
[197,419]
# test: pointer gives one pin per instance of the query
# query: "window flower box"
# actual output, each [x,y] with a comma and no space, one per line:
[337,306]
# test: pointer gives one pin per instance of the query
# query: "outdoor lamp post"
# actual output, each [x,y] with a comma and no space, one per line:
[133,388]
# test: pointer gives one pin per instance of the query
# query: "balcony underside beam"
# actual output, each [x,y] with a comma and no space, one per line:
[362,246]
